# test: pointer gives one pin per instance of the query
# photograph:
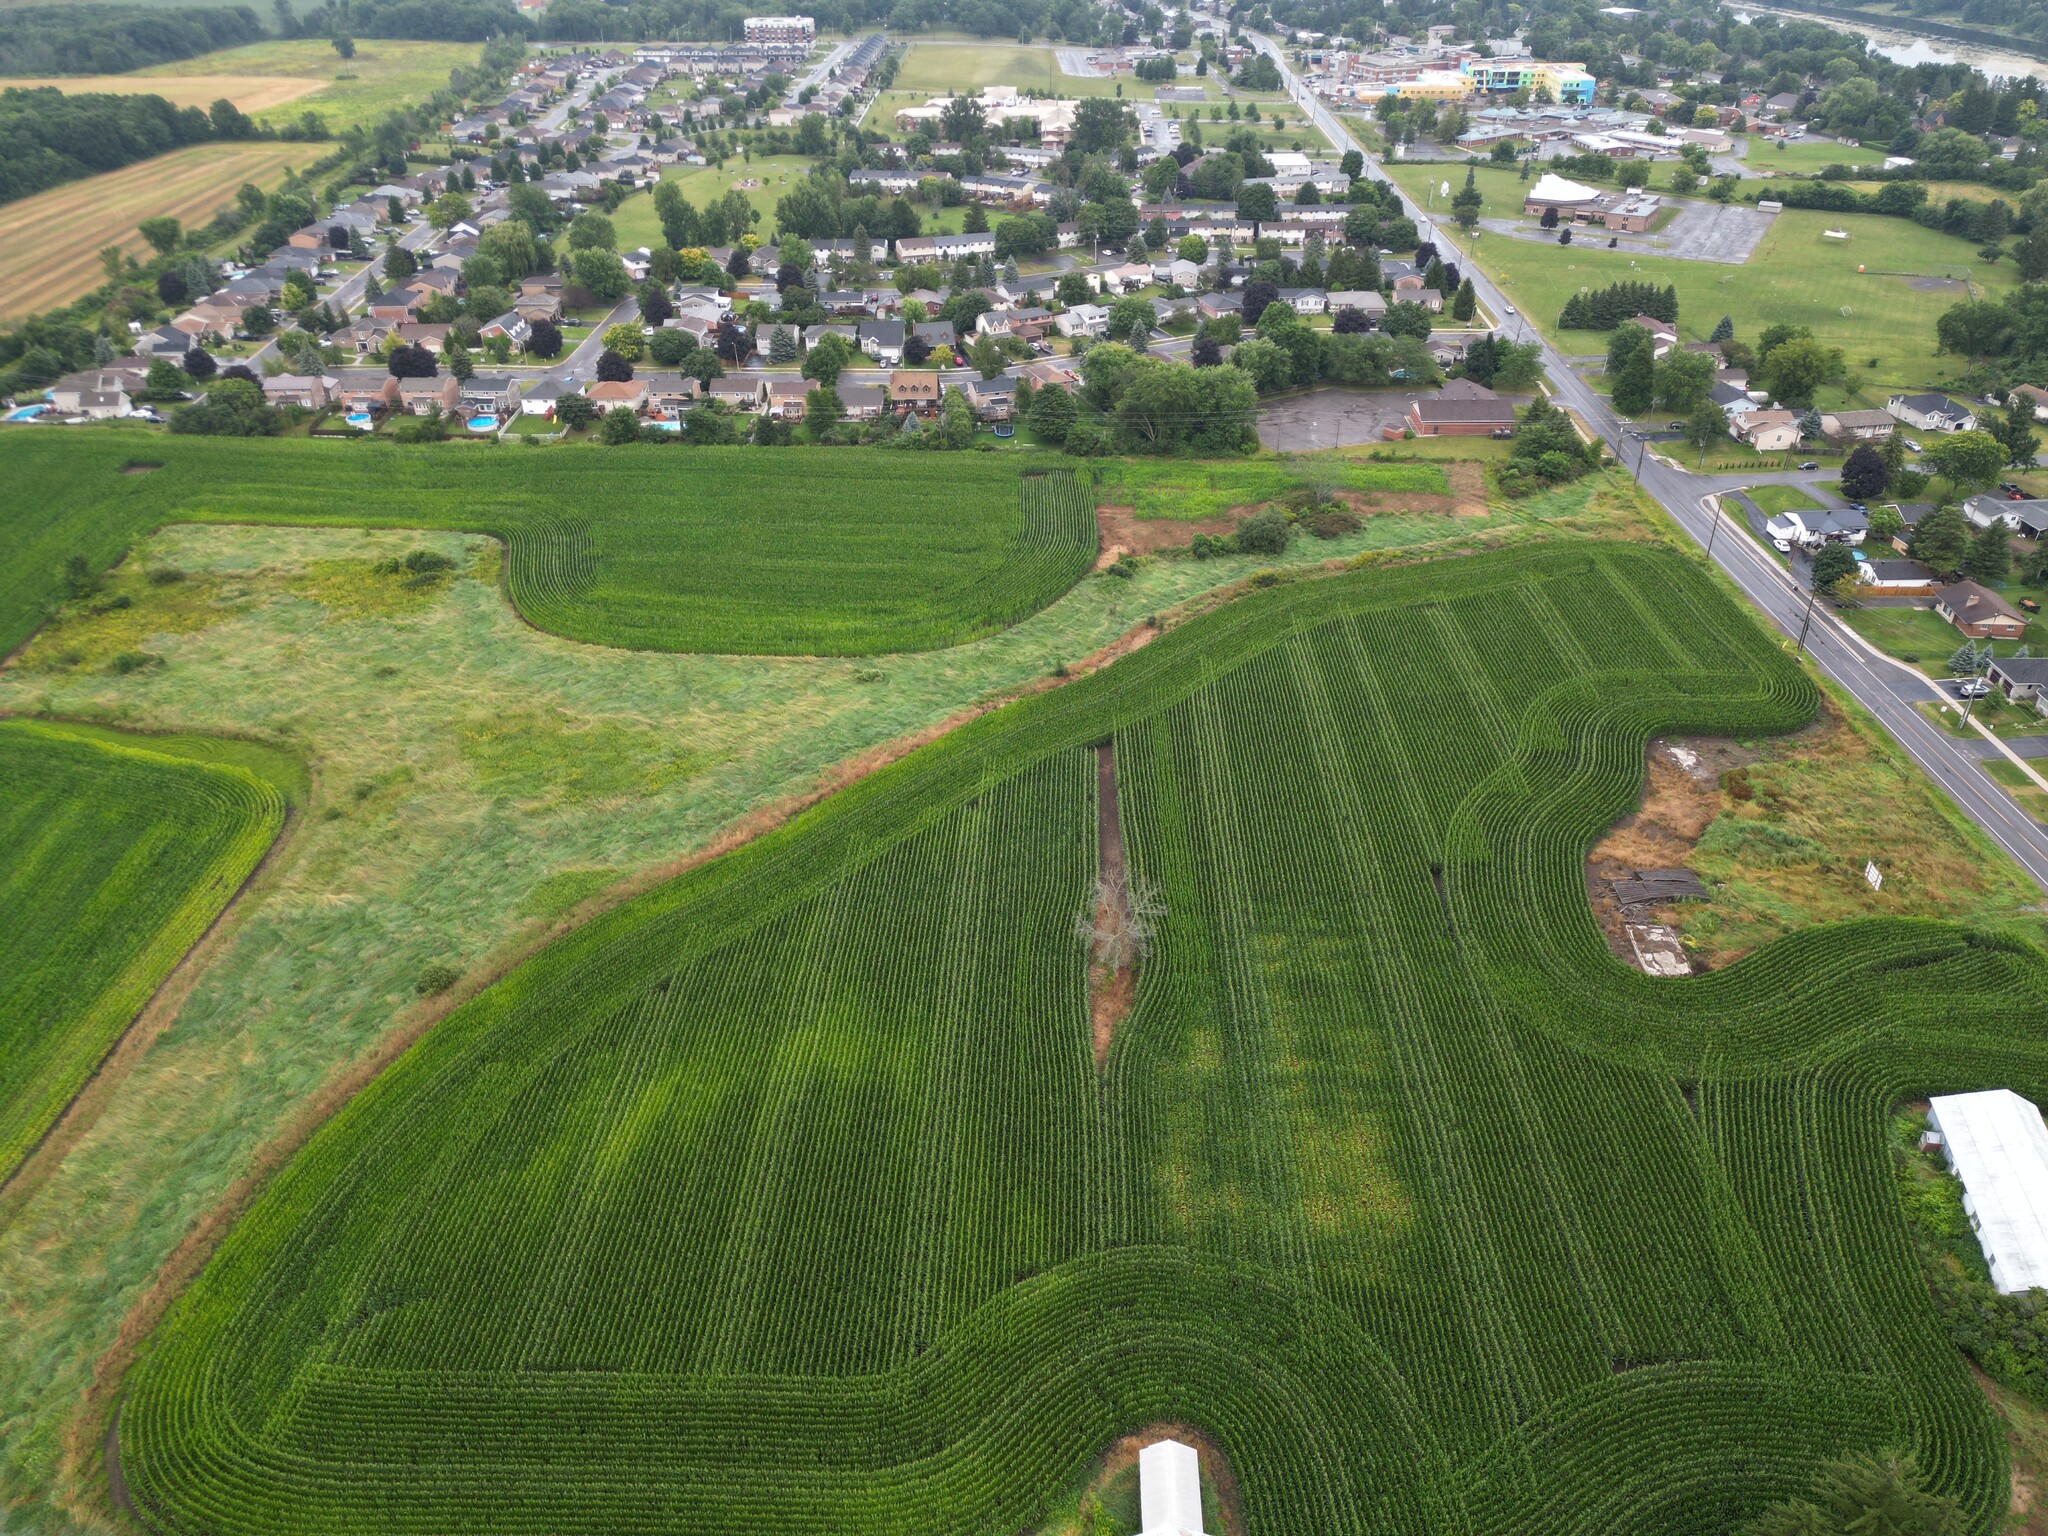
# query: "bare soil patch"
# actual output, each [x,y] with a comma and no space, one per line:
[1681,798]
[1112,973]
[1122,532]
[139,468]
[1123,1455]
[1933,284]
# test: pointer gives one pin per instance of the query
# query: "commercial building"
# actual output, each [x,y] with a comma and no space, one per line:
[786,31]
[1998,1147]
[1624,212]
[1503,77]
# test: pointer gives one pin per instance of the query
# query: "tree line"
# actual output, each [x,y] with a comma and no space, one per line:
[48,138]
[113,39]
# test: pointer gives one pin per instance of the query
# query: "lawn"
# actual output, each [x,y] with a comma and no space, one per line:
[846,553]
[798,1174]
[1192,490]
[117,854]
[348,93]
[1918,636]
[938,69]
[1802,158]
[1883,318]
[50,243]
[1776,499]
[638,225]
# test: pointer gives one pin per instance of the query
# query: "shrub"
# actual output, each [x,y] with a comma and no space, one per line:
[135,661]
[436,979]
[1264,533]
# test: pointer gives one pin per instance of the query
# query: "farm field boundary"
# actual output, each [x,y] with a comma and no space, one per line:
[854,552]
[796,1174]
[50,243]
[119,858]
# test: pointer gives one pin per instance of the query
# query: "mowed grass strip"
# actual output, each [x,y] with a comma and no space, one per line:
[115,855]
[850,552]
[1882,318]
[50,243]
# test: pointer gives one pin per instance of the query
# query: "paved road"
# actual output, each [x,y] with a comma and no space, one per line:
[1888,689]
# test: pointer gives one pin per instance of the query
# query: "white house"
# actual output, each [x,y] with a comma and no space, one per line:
[1931,413]
[1083,320]
[1998,1147]
[1170,1489]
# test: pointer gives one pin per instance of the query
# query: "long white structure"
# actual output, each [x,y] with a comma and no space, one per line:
[1998,1146]
[1170,1489]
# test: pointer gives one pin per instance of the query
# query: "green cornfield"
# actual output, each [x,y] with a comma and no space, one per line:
[789,1197]
[731,550]
[115,856]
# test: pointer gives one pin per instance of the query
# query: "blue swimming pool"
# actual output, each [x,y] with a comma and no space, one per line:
[25,413]
[483,423]
[358,418]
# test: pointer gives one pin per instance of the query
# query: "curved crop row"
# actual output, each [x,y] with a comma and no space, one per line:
[114,859]
[789,1198]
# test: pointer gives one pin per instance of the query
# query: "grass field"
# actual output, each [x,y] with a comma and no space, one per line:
[637,224]
[117,854]
[1883,319]
[49,243]
[1195,490]
[252,93]
[934,69]
[1798,157]
[348,93]
[1775,499]
[843,553]
[798,1175]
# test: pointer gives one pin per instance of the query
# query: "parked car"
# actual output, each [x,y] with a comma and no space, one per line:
[1675,426]
[1972,688]
[1809,464]
[2012,490]
[1913,447]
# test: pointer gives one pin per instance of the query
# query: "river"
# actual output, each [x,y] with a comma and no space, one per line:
[1906,48]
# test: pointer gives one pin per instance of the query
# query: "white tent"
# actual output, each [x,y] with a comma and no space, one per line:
[1998,1147]
[1170,1489]
[1555,189]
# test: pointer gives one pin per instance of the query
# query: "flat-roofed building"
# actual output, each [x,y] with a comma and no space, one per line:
[1997,1145]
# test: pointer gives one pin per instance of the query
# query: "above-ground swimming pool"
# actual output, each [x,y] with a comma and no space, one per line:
[665,425]
[25,413]
[483,423]
[358,418]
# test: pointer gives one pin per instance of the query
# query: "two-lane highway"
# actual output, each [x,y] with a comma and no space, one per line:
[1889,691]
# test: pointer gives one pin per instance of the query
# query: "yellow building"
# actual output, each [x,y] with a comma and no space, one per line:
[1435,85]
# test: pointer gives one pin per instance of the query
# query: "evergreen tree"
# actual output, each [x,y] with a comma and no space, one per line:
[782,345]
[1962,662]
[1725,331]
[1990,556]
[2017,432]
[1466,304]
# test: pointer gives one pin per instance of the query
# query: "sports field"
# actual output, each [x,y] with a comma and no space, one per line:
[671,549]
[115,854]
[1803,157]
[798,1177]
[49,243]
[1882,318]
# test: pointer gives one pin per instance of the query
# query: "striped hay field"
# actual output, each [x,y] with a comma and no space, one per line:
[49,243]
[252,93]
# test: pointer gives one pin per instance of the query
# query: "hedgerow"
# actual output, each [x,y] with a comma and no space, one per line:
[114,858]
[789,1197]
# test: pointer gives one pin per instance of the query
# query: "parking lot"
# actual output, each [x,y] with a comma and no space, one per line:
[1329,418]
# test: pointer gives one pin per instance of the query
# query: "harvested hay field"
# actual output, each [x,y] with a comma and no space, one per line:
[252,93]
[49,243]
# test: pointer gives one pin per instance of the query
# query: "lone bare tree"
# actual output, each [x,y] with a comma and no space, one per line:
[1120,921]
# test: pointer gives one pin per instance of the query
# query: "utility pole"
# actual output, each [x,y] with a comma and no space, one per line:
[1808,619]
[1713,532]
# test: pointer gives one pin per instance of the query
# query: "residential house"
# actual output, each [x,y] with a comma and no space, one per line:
[1844,428]
[510,325]
[166,341]
[1663,336]
[365,389]
[2038,397]
[1460,409]
[863,402]
[540,397]
[1733,400]
[670,394]
[414,334]
[1931,413]
[418,396]
[1766,431]
[813,334]
[1428,298]
[738,391]
[1896,578]
[786,397]
[1311,301]
[1979,612]
[1982,511]
[913,391]
[1214,306]
[2022,679]
[882,340]
[533,307]
[610,394]
[1366,301]
[101,394]
[993,399]
[939,335]
[311,391]
[490,394]
[1091,320]
[1128,278]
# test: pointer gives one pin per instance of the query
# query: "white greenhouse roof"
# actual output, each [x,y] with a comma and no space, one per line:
[1170,1489]
[1555,189]
[1998,1147]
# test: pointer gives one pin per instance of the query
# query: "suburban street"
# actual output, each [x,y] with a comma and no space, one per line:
[1888,689]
